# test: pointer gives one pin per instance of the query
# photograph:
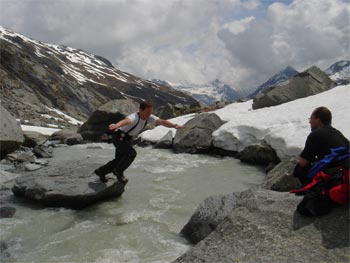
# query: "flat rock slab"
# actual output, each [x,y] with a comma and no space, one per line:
[70,191]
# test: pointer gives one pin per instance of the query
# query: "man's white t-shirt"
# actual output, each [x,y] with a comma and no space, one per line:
[134,117]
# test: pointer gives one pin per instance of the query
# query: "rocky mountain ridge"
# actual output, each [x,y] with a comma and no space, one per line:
[38,78]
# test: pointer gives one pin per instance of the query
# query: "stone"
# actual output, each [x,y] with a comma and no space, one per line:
[32,139]
[42,152]
[259,154]
[111,112]
[68,187]
[281,178]
[207,217]
[74,139]
[21,157]
[4,250]
[32,167]
[166,142]
[7,211]
[196,137]
[264,227]
[11,134]
[62,135]
[307,83]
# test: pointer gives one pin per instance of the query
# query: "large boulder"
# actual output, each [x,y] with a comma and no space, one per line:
[264,227]
[309,82]
[66,186]
[111,112]
[11,134]
[207,216]
[196,137]
[281,178]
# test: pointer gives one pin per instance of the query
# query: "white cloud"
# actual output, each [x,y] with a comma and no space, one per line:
[195,41]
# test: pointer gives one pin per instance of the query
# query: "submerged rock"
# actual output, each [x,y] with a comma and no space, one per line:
[264,227]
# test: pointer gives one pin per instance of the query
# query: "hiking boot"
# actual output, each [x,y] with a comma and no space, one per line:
[102,176]
[120,176]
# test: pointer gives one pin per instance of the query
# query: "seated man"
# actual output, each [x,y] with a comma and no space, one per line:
[326,183]
[321,140]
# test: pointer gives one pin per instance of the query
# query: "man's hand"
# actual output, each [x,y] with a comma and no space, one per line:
[113,126]
[177,126]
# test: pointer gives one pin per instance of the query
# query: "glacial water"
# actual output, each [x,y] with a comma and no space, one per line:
[142,225]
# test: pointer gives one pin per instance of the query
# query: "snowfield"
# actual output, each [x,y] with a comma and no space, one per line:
[284,127]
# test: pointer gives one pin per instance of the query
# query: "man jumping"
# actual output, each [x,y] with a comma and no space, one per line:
[123,133]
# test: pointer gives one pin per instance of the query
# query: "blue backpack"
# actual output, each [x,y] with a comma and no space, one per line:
[337,154]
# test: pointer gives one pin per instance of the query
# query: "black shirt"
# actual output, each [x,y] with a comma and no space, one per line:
[320,141]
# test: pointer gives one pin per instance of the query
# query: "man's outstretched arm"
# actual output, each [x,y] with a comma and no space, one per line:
[169,124]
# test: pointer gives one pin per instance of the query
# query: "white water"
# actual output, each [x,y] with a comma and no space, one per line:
[163,192]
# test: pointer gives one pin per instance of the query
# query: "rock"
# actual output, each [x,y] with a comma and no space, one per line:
[21,157]
[309,82]
[7,211]
[3,250]
[111,112]
[166,142]
[62,135]
[32,139]
[259,154]
[11,135]
[66,188]
[32,167]
[281,178]
[207,216]
[264,227]
[42,152]
[74,139]
[165,112]
[196,137]
[7,178]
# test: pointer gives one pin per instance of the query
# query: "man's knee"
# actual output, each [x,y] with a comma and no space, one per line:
[132,153]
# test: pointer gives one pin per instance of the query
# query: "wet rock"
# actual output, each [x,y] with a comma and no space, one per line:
[3,250]
[166,142]
[7,211]
[264,227]
[196,137]
[281,178]
[11,135]
[67,187]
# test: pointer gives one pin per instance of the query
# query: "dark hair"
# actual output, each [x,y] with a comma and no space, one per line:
[145,104]
[323,114]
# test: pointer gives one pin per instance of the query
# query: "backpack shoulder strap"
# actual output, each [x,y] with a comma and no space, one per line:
[132,128]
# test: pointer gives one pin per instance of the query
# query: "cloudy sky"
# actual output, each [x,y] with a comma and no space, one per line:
[241,42]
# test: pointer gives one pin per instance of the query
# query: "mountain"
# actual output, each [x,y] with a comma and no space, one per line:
[207,94]
[339,72]
[278,78]
[40,79]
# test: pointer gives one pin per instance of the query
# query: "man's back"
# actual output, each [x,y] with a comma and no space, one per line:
[320,141]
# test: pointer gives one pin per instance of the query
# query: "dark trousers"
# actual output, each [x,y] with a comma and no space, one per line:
[124,155]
